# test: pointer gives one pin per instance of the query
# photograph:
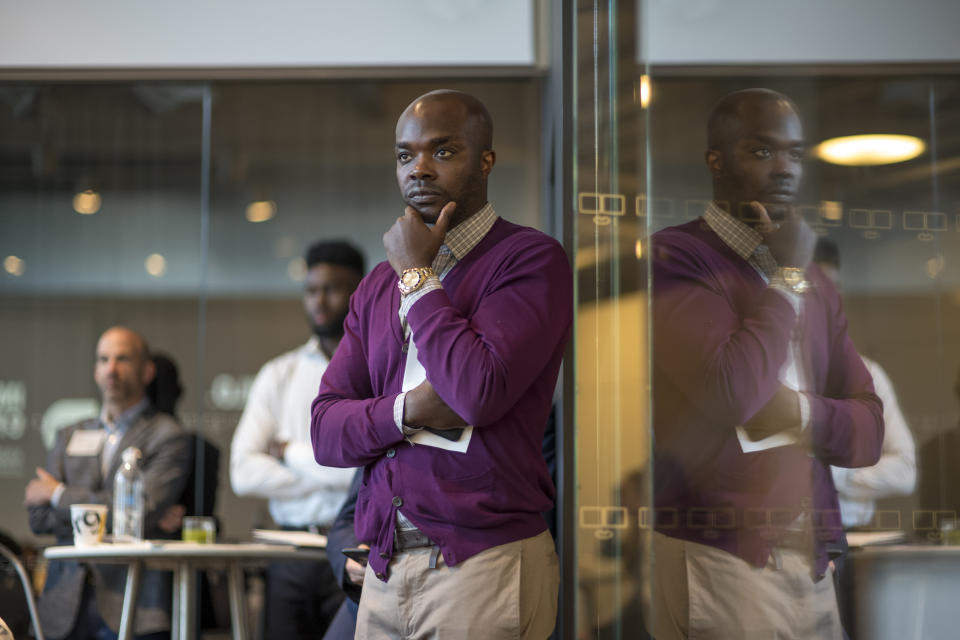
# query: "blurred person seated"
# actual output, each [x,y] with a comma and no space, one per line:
[81,601]
[752,404]
[272,456]
[895,474]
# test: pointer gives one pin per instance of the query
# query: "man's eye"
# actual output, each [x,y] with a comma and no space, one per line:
[762,152]
[796,154]
[444,153]
[403,156]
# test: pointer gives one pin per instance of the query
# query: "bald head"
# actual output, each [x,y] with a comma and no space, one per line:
[468,109]
[123,368]
[444,154]
[736,110]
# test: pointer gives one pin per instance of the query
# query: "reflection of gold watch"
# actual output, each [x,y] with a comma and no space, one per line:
[794,278]
[413,279]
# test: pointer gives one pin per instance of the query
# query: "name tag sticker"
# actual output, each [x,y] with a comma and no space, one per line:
[85,443]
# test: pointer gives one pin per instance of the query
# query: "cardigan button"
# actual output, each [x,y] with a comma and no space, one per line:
[397,501]
[391,453]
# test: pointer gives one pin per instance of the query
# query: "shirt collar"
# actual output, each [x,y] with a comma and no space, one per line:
[740,237]
[122,422]
[468,234]
[312,348]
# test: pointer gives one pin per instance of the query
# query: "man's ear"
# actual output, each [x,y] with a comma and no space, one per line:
[148,372]
[714,160]
[488,158]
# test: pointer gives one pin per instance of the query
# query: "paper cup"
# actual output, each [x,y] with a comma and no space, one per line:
[89,523]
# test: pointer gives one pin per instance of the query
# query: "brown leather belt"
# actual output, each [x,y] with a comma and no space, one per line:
[410,539]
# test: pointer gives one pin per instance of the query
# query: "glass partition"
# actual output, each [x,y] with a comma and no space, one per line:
[647,77]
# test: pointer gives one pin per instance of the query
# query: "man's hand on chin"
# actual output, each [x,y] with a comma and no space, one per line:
[411,243]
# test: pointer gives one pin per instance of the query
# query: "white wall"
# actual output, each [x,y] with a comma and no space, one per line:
[256,33]
[801,31]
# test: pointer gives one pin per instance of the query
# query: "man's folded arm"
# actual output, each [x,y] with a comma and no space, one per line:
[47,518]
[847,422]
[349,426]
[480,366]
[727,366]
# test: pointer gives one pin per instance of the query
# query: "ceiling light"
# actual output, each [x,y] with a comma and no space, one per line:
[869,150]
[261,210]
[644,91]
[297,269]
[87,202]
[156,265]
[14,266]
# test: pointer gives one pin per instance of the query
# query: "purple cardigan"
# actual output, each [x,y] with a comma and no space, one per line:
[491,342]
[720,338]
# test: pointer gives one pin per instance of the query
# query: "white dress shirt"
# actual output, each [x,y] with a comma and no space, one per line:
[896,471]
[300,492]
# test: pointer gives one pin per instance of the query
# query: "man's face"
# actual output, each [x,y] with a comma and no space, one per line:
[121,370]
[326,297]
[439,160]
[763,161]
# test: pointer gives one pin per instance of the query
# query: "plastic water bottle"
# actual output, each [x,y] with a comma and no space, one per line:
[128,497]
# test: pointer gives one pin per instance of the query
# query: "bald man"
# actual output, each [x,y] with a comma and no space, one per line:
[78,601]
[441,388]
[757,391]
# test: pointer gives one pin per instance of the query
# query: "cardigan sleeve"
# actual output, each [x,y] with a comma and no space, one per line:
[482,364]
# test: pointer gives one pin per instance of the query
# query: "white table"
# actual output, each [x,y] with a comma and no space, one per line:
[183,559]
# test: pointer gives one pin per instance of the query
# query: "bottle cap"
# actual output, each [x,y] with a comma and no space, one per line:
[131,455]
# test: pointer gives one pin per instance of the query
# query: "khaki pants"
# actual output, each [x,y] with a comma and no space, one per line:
[700,592]
[508,591]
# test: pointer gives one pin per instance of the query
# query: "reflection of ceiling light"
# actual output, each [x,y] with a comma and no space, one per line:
[644,91]
[831,210]
[935,266]
[638,250]
[297,269]
[261,210]
[869,150]
[86,202]
[14,266]
[156,265]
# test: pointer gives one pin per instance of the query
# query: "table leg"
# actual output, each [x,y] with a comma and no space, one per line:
[130,593]
[238,606]
[175,609]
[186,616]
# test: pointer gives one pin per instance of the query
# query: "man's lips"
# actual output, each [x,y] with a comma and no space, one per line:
[423,196]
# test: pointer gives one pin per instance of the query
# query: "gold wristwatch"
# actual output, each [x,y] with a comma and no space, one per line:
[794,278]
[412,279]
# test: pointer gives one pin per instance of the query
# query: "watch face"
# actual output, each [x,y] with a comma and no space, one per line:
[410,278]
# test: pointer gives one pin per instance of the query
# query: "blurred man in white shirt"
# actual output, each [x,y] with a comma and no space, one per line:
[272,456]
[896,472]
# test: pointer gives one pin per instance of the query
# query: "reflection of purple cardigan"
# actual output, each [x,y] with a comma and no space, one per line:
[720,338]
[491,342]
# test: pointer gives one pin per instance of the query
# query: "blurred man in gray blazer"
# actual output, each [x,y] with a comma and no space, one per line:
[81,601]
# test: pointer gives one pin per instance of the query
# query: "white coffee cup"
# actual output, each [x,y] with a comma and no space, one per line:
[89,523]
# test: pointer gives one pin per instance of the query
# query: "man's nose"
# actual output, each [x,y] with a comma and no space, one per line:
[785,165]
[422,168]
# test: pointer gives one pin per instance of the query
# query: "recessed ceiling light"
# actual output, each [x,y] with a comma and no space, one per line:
[14,266]
[87,202]
[156,265]
[869,150]
[261,210]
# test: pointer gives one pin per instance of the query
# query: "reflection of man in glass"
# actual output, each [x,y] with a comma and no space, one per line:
[757,391]
[271,455]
